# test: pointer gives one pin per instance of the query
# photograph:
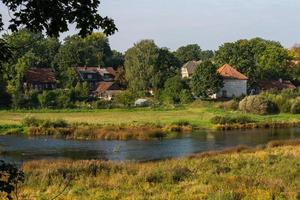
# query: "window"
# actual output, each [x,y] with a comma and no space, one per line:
[224,93]
[89,76]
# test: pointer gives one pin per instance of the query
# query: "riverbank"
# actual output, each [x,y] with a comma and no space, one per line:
[136,123]
[270,172]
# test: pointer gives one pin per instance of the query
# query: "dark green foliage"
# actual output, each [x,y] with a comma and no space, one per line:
[257,58]
[231,120]
[284,99]
[125,99]
[257,105]
[188,53]
[186,96]
[53,17]
[206,81]
[31,121]
[10,177]
[141,66]
[175,90]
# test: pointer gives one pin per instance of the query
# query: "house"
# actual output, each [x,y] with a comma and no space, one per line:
[234,83]
[107,90]
[275,85]
[40,79]
[188,68]
[93,75]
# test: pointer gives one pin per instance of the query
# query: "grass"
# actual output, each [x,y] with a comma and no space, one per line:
[198,116]
[270,172]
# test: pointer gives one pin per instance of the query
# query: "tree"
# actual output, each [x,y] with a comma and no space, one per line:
[141,69]
[168,65]
[53,17]
[10,177]
[256,58]
[94,50]
[173,88]
[116,60]
[206,81]
[188,53]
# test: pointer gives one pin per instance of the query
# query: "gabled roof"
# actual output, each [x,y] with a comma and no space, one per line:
[105,86]
[40,75]
[228,72]
[191,65]
[277,84]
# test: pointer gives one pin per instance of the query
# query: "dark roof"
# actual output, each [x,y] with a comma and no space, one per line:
[277,84]
[228,72]
[191,65]
[105,86]
[41,75]
[95,69]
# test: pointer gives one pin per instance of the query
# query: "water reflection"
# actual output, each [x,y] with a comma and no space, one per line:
[18,149]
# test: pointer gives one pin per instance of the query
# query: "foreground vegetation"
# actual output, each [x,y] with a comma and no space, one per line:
[270,172]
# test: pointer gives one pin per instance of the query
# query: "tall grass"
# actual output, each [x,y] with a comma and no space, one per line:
[239,173]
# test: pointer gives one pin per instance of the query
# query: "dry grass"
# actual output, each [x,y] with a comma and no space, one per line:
[233,174]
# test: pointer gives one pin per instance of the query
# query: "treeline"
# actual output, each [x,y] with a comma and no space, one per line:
[144,68]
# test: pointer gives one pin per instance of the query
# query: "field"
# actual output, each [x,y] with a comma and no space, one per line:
[266,173]
[197,115]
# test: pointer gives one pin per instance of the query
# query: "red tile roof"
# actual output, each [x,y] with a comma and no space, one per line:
[228,72]
[41,75]
[105,86]
[279,85]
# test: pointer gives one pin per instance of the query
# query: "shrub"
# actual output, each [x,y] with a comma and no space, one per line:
[186,96]
[155,176]
[31,121]
[229,105]
[231,120]
[180,173]
[257,105]
[295,108]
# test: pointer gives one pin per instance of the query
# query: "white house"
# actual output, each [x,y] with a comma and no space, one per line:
[235,83]
[188,68]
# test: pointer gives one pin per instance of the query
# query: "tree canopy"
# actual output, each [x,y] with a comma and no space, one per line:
[206,81]
[256,58]
[53,17]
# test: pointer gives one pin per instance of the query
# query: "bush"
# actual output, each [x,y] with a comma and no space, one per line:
[181,173]
[229,105]
[186,96]
[295,108]
[257,105]
[232,120]
[155,176]
[31,121]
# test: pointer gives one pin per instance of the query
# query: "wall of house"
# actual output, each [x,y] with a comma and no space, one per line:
[232,88]
[184,73]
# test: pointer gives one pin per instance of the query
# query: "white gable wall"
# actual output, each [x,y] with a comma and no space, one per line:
[184,73]
[232,88]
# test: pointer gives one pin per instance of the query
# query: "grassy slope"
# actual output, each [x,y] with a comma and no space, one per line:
[272,173]
[196,115]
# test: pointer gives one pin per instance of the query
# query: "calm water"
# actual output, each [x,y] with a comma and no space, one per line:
[18,149]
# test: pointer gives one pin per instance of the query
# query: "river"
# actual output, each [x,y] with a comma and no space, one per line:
[18,149]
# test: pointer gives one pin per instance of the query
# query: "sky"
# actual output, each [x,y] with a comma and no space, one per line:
[209,23]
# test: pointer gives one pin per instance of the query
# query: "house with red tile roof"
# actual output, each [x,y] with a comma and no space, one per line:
[39,79]
[107,90]
[93,75]
[234,83]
